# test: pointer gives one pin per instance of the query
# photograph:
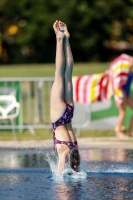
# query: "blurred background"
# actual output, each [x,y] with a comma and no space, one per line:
[100,30]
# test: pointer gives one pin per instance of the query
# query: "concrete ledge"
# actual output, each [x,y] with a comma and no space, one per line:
[106,142]
[98,142]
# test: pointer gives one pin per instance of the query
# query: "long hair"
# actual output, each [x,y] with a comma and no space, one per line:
[74,159]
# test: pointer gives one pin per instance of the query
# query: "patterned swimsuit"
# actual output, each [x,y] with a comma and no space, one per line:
[64,119]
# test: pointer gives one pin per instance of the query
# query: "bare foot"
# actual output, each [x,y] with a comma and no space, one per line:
[121,132]
[121,135]
[57,30]
[63,28]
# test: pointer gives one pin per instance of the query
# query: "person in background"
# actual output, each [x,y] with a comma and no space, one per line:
[114,82]
[130,129]
[124,79]
[61,101]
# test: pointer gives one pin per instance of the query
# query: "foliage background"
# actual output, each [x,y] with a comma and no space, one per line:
[100,29]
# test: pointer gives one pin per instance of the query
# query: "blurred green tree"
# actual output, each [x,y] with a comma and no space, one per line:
[99,29]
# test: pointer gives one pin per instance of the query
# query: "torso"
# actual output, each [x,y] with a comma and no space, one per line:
[62,129]
[64,141]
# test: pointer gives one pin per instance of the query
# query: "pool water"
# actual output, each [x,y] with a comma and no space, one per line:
[25,174]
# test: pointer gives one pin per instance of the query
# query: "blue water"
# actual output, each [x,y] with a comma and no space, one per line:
[105,174]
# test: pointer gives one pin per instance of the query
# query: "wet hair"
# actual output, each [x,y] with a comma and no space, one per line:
[74,159]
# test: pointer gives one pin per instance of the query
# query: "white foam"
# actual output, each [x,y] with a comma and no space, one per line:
[67,173]
[110,168]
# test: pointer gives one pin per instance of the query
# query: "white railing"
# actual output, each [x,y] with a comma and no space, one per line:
[33,95]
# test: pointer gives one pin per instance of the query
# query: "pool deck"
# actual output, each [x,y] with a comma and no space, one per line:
[96,142]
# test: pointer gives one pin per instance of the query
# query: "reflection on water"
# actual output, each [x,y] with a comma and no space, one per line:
[97,187]
[30,158]
[25,174]
[117,155]
[38,186]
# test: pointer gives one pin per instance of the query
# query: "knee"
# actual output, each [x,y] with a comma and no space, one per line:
[59,77]
[68,74]
[59,74]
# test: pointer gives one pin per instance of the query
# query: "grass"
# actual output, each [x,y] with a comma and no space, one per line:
[47,70]
[47,134]
[26,135]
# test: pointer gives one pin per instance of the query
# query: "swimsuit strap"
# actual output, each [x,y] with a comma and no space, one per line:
[69,144]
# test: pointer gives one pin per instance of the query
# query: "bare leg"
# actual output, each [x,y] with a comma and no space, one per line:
[130,129]
[68,76]
[122,113]
[57,104]
[130,104]
[69,66]
[68,73]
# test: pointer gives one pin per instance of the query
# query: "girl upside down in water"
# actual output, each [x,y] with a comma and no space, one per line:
[61,101]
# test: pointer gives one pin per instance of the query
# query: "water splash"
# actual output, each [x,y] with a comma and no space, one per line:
[67,174]
[111,167]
